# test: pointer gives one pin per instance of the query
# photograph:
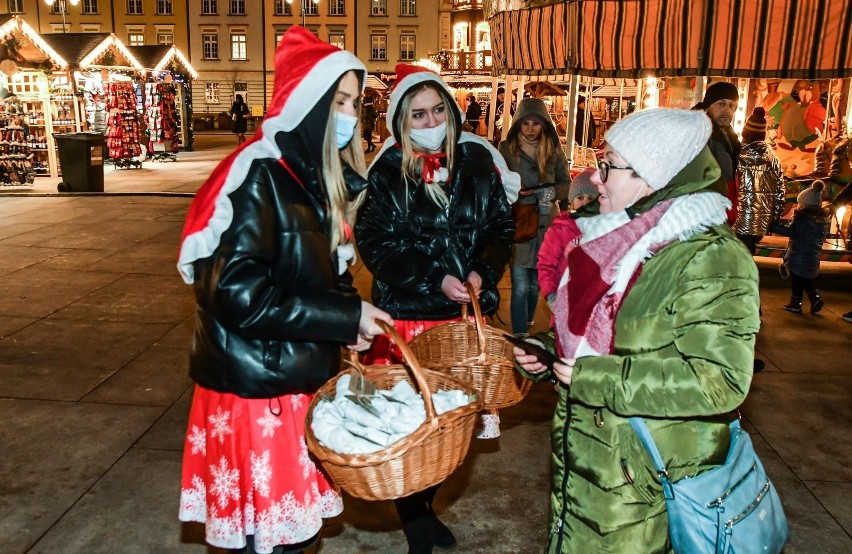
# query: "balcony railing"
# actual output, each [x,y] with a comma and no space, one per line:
[460,5]
[463,62]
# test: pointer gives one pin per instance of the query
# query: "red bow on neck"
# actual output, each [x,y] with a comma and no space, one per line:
[431,165]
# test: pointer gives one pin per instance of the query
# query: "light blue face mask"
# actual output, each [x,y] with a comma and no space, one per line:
[345,128]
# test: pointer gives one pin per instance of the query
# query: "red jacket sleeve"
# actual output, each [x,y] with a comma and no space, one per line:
[551,256]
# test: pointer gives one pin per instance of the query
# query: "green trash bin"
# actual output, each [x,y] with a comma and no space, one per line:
[81,158]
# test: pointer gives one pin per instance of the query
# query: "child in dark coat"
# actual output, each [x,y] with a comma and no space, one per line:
[807,233]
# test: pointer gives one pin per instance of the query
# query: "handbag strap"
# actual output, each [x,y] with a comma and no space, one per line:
[647,441]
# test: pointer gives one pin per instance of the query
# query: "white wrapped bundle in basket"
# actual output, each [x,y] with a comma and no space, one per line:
[359,424]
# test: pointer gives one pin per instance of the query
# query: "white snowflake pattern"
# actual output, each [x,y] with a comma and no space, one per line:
[296,401]
[269,422]
[225,483]
[193,501]
[198,441]
[419,328]
[305,461]
[220,422]
[261,473]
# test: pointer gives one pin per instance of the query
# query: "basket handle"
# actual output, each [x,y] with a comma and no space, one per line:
[478,320]
[413,366]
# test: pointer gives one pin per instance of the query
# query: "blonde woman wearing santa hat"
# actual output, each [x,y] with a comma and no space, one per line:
[266,245]
[436,216]
[656,315]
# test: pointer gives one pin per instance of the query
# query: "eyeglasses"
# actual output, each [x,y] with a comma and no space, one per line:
[604,168]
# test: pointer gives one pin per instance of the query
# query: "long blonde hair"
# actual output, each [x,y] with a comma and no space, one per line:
[341,209]
[412,166]
[545,151]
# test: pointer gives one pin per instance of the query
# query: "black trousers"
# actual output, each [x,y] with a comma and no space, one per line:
[415,505]
[803,284]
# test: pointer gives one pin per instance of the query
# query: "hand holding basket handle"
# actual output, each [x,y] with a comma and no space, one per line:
[368,326]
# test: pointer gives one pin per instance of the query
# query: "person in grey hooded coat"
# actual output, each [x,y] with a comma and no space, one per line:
[532,148]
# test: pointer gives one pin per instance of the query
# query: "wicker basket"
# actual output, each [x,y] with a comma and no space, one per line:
[477,353]
[424,458]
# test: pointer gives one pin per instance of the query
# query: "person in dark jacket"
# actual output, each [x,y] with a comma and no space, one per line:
[472,114]
[368,121]
[807,233]
[720,103]
[585,124]
[266,247]
[436,216]
[239,113]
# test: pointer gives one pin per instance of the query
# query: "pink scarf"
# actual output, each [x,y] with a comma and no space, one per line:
[591,292]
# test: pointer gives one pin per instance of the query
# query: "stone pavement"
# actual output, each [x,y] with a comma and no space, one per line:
[94,330]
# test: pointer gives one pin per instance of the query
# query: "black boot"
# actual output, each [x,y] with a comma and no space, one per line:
[816,302]
[795,305]
[441,534]
[418,533]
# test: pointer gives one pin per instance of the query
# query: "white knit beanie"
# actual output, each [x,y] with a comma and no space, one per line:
[657,143]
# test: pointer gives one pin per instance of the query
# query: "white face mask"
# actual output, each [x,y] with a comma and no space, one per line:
[430,139]
[345,128]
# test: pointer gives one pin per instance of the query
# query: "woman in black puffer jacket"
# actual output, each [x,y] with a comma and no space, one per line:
[436,215]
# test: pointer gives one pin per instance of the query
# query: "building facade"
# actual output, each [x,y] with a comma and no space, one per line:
[231,43]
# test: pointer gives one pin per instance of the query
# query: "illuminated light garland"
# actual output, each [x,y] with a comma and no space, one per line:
[17,24]
[111,40]
[175,53]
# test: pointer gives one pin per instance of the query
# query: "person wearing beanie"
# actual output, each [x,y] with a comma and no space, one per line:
[265,246]
[436,216]
[582,189]
[804,249]
[720,103]
[532,149]
[655,317]
[760,184]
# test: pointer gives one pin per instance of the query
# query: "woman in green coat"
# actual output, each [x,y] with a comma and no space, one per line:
[656,317]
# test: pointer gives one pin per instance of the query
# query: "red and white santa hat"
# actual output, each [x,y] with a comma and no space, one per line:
[305,69]
[409,76]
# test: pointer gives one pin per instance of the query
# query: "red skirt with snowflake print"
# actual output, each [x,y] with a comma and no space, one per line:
[246,471]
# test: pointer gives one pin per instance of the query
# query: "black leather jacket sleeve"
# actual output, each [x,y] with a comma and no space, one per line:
[252,291]
[494,249]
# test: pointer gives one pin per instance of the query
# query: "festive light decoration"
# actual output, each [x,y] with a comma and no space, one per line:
[111,40]
[172,54]
[428,64]
[740,115]
[16,24]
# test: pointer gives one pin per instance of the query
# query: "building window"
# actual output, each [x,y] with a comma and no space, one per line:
[279,34]
[211,93]
[379,7]
[337,7]
[378,47]
[460,36]
[282,7]
[406,7]
[134,7]
[59,7]
[406,47]
[166,38]
[238,46]
[210,43]
[164,7]
[337,39]
[309,7]
[238,7]
[90,27]
[136,39]
[16,6]
[90,7]
[209,7]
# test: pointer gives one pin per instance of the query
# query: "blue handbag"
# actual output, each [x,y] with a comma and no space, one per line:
[732,509]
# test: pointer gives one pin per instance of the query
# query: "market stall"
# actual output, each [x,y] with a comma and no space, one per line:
[109,76]
[168,98]
[37,101]
[790,57]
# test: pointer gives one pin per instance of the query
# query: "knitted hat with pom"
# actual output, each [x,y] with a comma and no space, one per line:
[657,143]
[582,184]
[755,126]
[812,196]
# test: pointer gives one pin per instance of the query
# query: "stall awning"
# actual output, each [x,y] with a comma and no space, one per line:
[635,38]
[83,50]
[162,58]
[30,48]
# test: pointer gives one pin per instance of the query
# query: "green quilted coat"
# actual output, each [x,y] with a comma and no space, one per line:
[684,350]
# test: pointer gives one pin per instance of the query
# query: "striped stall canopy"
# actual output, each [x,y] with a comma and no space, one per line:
[806,39]
[634,38]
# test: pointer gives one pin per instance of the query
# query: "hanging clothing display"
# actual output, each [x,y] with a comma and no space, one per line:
[123,136]
[161,119]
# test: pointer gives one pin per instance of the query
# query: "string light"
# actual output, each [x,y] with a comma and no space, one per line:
[17,24]
[111,40]
[175,53]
